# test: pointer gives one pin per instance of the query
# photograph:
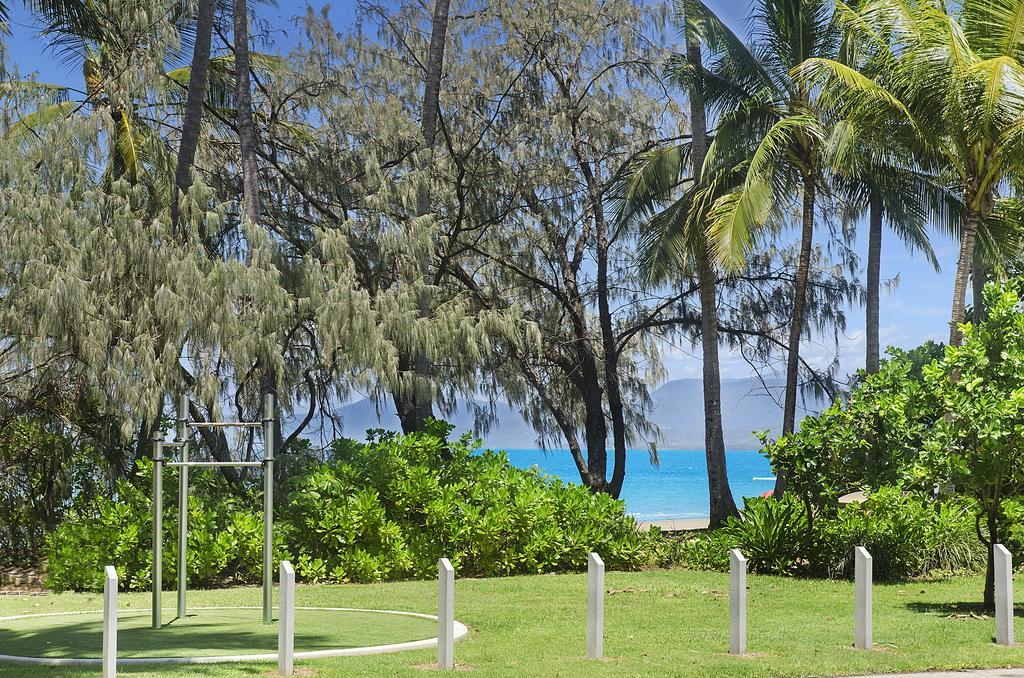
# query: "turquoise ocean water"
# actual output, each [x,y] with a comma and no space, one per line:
[675,489]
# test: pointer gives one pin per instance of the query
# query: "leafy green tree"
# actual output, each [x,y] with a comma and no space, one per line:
[870,440]
[877,172]
[772,126]
[954,80]
[977,446]
[681,229]
[415,405]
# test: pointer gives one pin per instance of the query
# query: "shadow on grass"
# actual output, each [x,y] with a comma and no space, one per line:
[84,638]
[973,610]
[264,669]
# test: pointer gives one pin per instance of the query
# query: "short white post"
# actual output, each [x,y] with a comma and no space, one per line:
[1003,564]
[595,607]
[737,602]
[862,599]
[286,621]
[109,622]
[445,615]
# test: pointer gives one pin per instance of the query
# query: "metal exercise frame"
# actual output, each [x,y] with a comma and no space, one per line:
[182,434]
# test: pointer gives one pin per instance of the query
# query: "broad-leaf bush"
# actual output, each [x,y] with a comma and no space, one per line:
[771,534]
[870,440]
[384,510]
[907,534]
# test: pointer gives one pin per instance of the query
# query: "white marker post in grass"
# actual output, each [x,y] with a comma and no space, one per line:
[445,615]
[862,598]
[737,602]
[595,607]
[1003,564]
[109,622]
[286,621]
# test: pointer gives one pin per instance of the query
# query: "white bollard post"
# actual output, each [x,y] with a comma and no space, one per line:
[286,621]
[737,602]
[109,622]
[862,599]
[445,615]
[595,607]
[1003,564]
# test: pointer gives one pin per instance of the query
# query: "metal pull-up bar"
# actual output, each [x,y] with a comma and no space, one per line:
[181,442]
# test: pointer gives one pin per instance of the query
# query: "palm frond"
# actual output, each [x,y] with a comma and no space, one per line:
[33,123]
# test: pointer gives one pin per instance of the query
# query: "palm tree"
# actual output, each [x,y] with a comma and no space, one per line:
[70,12]
[672,209]
[956,82]
[769,123]
[84,34]
[244,116]
[194,103]
[873,175]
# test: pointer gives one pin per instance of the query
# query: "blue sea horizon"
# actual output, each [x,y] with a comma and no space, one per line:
[676,489]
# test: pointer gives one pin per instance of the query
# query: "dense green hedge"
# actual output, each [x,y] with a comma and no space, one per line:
[907,534]
[379,511]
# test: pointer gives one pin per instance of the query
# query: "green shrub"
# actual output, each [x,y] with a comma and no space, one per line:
[82,545]
[906,534]
[225,537]
[772,534]
[704,551]
[389,509]
[384,510]
[870,440]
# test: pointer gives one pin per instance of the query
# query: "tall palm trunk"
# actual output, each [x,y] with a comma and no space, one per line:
[246,127]
[963,272]
[193,118]
[796,325]
[415,405]
[875,218]
[722,504]
[979,276]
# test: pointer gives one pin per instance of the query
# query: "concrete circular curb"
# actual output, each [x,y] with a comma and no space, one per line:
[461,631]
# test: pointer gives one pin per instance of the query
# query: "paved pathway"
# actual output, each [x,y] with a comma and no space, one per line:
[981,673]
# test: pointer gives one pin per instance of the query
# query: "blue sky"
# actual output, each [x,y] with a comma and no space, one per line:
[916,310]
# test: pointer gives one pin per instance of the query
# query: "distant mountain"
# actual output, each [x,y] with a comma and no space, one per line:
[746,406]
[678,412]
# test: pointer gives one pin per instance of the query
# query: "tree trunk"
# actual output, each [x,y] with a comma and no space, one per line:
[432,82]
[416,405]
[796,325]
[596,432]
[610,354]
[979,276]
[722,504]
[193,118]
[963,272]
[246,127]
[989,597]
[405,401]
[873,358]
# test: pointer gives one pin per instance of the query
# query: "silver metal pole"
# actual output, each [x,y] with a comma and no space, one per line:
[215,464]
[180,435]
[158,527]
[268,508]
[226,424]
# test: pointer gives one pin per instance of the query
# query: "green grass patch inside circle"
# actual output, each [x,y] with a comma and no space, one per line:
[206,632]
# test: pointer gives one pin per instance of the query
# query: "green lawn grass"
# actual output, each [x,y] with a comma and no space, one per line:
[206,632]
[671,623]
